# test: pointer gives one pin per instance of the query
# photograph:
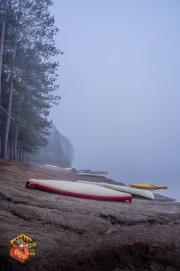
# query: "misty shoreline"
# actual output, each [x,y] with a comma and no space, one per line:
[80,234]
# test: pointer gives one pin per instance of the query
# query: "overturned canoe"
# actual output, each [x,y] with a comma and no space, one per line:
[133,191]
[81,190]
[92,174]
[148,186]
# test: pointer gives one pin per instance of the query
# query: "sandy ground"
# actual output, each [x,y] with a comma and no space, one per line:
[80,234]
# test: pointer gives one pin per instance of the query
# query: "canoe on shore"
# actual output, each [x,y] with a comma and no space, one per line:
[99,172]
[92,174]
[148,186]
[81,190]
[133,191]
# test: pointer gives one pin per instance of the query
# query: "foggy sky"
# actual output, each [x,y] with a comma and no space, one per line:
[120,87]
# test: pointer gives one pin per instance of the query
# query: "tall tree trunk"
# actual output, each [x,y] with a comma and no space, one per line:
[22,155]
[8,119]
[15,153]
[3,23]
[12,148]
[19,151]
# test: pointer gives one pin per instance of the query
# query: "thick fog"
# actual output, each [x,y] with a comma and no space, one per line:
[120,86]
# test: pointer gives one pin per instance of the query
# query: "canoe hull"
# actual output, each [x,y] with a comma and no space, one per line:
[136,192]
[92,174]
[78,190]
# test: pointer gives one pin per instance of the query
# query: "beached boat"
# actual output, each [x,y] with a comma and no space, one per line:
[71,168]
[51,166]
[98,172]
[82,190]
[148,186]
[84,170]
[92,174]
[133,191]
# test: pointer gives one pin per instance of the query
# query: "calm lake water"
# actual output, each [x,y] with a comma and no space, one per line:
[129,173]
[173,184]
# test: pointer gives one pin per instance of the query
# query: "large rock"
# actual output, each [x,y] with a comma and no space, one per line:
[79,234]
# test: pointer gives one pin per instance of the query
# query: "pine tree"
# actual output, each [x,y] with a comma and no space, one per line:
[28,76]
[3,5]
[3,8]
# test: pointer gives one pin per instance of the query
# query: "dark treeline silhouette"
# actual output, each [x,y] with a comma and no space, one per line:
[27,76]
[58,151]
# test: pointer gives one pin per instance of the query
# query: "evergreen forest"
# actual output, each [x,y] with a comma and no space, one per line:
[28,81]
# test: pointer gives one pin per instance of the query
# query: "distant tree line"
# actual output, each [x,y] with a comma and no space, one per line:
[27,76]
[59,151]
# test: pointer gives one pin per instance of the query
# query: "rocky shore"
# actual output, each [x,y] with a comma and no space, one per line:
[76,234]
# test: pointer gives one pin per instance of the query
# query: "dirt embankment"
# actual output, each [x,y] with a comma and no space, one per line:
[84,235]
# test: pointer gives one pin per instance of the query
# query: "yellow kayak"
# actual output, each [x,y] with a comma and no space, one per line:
[148,186]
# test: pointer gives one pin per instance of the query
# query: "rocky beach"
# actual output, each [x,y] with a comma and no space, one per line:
[85,235]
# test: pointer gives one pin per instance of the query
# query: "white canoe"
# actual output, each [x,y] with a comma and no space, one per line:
[92,174]
[134,191]
[50,165]
[81,190]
